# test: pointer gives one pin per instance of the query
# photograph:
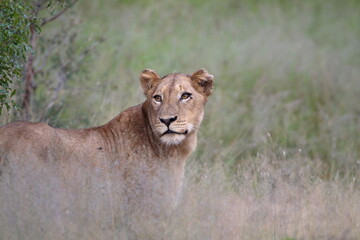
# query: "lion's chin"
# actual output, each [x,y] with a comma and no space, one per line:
[172,138]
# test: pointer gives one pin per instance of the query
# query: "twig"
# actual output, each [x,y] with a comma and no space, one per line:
[58,14]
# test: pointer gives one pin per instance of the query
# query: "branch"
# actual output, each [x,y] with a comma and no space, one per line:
[58,14]
[38,6]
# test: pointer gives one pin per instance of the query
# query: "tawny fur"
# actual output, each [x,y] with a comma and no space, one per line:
[151,162]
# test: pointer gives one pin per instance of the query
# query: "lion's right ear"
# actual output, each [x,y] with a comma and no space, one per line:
[148,79]
[203,81]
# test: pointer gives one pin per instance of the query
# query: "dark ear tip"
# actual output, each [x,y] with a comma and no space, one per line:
[147,70]
[204,73]
[200,71]
[149,74]
[205,77]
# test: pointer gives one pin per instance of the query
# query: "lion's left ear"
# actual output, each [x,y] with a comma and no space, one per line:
[204,82]
[148,79]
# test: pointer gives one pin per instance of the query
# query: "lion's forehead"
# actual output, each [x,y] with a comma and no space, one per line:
[174,85]
[175,88]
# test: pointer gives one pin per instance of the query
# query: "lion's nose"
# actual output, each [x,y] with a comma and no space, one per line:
[168,121]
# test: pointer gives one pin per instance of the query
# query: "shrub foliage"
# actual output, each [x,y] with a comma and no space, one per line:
[14,36]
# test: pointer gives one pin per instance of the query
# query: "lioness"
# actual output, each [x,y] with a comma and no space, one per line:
[149,142]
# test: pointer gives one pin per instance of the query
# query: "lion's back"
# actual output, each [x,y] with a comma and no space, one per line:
[16,131]
[20,137]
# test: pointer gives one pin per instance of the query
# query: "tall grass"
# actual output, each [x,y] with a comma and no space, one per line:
[279,149]
[265,199]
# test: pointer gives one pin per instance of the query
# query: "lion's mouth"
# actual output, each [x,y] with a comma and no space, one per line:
[173,132]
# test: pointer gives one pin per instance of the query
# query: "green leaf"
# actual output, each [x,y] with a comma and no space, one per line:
[13,93]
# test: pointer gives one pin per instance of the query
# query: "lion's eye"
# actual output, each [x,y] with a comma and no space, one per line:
[157,98]
[185,96]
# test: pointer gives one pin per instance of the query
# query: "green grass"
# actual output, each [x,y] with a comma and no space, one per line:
[286,69]
[282,123]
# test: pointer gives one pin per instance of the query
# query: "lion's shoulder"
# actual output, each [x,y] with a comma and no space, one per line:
[130,120]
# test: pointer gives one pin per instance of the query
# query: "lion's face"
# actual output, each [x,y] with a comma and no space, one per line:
[176,103]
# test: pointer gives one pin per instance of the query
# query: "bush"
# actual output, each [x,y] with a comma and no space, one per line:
[14,36]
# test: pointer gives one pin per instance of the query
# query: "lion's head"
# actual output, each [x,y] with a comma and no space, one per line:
[176,103]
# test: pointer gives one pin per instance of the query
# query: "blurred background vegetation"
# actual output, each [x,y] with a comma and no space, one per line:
[286,73]
[278,155]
